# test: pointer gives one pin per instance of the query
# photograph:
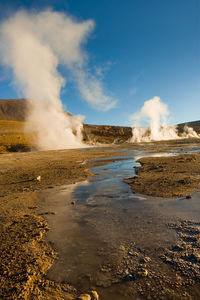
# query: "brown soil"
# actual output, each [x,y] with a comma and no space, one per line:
[25,256]
[167,176]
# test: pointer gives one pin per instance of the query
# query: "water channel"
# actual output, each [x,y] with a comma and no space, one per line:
[99,225]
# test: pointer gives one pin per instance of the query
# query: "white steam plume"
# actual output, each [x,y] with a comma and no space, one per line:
[33,45]
[156,113]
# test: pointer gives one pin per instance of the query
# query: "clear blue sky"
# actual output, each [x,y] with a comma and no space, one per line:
[146,48]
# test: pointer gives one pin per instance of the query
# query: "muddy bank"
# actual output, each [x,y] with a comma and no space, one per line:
[167,176]
[25,256]
[133,253]
[23,172]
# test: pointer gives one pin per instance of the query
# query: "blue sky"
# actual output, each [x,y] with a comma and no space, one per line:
[139,48]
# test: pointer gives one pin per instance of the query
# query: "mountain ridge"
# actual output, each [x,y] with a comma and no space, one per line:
[17,109]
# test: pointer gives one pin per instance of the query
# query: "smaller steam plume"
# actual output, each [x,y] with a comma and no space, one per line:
[156,113]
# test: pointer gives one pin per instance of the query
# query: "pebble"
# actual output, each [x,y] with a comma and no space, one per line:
[126,272]
[145,259]
[84,297]
[133,253]
[122,248]
[142,273]
[94,295]
[168,259]
[38,178]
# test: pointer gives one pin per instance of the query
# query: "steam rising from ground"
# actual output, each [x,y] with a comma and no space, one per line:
[156,112]
[33,45]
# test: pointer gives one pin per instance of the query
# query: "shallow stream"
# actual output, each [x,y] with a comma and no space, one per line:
[100,223]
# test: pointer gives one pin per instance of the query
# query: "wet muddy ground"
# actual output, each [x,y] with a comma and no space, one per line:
[125,245]
[99,235]
[167,176]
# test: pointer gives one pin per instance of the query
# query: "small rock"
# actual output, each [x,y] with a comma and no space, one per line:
[142,273]
[133,253]
[126,272]
[188,197]
[38,178]
[73,202]
[167,259]
[94,295]
[122,248]
[84,297]
[145,259]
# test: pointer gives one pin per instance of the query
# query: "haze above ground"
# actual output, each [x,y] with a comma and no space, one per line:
[138,49]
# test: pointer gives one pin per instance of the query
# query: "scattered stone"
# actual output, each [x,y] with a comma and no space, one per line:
[94,295]
[38,178]
[188,197]
[84,297]
[73,203]
[142,273]
[122,248]
[185,255]
[145,259]
[126,272]
[168,259]
[105,268]
[133,253]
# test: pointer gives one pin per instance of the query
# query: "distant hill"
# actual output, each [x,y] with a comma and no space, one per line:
[13,109]
[107,133]
[16,110]
[194,124]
